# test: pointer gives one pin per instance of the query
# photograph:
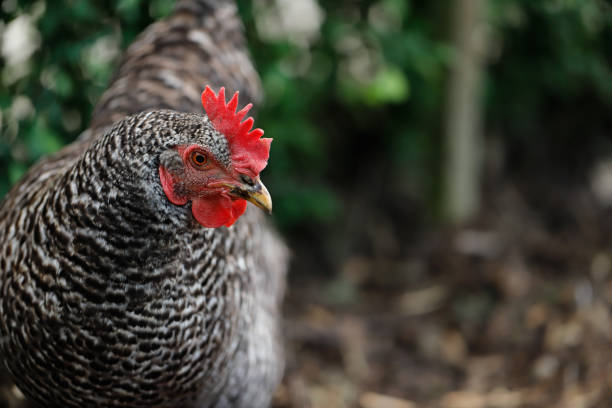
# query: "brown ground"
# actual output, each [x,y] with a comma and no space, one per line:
[510,311]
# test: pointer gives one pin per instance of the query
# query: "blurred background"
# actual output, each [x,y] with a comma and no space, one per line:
[441,170]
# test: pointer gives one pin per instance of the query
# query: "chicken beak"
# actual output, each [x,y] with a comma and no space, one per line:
[257,194]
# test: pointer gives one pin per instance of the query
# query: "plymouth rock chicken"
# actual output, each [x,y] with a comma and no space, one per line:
[132,273]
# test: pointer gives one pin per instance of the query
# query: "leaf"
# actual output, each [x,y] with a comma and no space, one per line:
[389,86]
[42,139]
[16,170]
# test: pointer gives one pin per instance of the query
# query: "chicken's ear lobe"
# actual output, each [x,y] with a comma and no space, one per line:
[168,184]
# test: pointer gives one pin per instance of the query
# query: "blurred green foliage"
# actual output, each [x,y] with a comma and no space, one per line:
[354,106]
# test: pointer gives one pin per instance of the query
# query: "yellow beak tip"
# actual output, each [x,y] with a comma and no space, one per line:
[261,199]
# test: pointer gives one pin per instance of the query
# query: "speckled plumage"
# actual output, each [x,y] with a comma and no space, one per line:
[110,295]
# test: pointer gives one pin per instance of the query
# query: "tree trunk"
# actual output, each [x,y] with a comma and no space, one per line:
[462,138]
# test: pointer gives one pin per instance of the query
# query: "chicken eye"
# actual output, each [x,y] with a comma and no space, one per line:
[199,159]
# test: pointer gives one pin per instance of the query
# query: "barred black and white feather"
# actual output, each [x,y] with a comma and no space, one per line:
[109,294]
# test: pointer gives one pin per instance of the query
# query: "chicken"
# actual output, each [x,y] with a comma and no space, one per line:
[131,272]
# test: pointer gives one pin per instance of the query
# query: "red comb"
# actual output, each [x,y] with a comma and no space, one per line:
[249,151]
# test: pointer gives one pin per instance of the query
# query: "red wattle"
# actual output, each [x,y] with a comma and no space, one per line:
[168,185]
[217,210]
[238,208]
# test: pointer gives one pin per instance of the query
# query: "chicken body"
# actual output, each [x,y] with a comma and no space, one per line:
[112,296]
